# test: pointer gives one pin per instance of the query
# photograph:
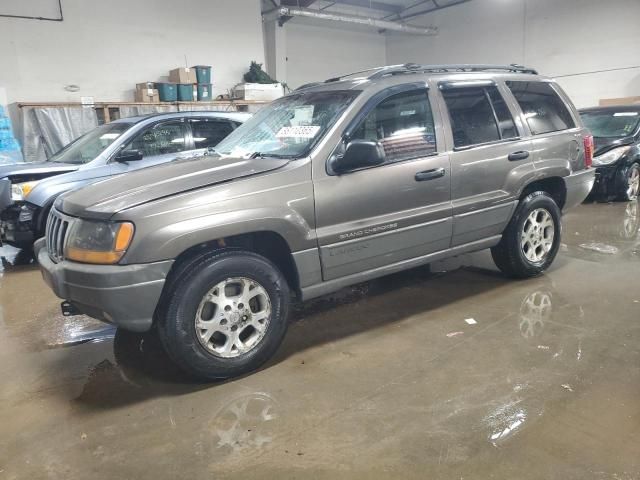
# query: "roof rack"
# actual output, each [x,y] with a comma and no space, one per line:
[380,72]
[374,69]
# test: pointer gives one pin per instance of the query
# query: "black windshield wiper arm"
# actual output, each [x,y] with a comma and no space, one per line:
[267,155]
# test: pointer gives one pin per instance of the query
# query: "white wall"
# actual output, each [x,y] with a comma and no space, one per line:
[558,37]
[315,53]
[106,47]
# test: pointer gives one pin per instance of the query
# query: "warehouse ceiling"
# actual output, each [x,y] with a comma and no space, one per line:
[383,9]
[372,13]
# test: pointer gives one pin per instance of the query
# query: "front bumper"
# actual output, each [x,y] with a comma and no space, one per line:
[124,295]
[578,186]
[607,180]
[17,224]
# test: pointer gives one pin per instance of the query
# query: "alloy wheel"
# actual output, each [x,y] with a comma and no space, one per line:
[536,238]
[633,182]
[233,317]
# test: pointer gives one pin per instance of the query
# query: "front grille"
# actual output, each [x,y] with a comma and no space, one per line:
[56,232]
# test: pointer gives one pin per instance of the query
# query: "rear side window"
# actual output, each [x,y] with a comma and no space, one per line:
[543,109]
[478,115]
[403,124]
[208,133]
[163,139]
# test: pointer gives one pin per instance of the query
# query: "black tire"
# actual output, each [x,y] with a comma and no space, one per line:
[509,255]
[628,173]
[176,320]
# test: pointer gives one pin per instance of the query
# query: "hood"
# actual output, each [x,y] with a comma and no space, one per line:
[24,172]
[604,144]
[103,199]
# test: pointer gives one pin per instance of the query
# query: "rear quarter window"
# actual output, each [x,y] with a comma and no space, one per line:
[543,108]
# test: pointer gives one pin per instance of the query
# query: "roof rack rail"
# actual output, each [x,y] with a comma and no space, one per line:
[373,69]
[379,72]
[416,68]
[308,85]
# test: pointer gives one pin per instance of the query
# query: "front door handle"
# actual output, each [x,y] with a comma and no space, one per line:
[521,155]
[429,174]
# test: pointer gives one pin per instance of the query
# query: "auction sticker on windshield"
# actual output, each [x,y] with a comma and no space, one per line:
[300,131]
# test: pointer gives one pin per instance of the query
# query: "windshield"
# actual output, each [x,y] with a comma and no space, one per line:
[289,127]
[611,123]
[91,144]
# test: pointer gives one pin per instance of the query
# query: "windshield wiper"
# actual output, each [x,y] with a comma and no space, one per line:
[267,155]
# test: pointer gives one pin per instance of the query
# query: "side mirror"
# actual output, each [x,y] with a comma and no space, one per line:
[129,156]
[358,154]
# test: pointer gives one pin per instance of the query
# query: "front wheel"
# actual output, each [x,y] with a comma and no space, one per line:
[631,185]
[226,315]
[531,241]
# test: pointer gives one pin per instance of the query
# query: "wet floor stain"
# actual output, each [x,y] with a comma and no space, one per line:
[369,382]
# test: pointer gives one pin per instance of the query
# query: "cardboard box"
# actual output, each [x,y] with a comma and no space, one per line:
[258,91]
[145,85]
[183,75]
[147,95]
[611,102]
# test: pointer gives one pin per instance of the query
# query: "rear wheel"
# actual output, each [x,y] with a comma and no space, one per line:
[531,241]
[226,314]
[631,184]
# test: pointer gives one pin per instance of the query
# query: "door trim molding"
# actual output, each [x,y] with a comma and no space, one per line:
[330,286]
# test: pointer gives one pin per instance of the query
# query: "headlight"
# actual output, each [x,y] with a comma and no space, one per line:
[99,242]
[611,156]
[19,191]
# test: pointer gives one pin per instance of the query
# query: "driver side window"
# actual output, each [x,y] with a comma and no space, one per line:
[403,124]
[162,139]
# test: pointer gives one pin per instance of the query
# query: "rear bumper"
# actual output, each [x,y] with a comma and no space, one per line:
[124,295]
[578,186]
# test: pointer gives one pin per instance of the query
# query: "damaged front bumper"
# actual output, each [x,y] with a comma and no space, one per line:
[609,181]
[18,224]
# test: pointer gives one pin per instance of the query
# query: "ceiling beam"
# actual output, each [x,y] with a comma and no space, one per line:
[283,14]
[297,3]
[374,5]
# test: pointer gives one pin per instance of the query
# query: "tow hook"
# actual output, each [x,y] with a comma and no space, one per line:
[68,309]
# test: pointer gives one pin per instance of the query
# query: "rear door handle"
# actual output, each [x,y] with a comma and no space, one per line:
[429,174]
[521,155]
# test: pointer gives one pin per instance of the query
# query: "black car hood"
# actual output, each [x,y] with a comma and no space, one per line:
[103,199]
[24,172]
[604,144]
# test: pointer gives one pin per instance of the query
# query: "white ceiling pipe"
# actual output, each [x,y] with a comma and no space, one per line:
[343,17]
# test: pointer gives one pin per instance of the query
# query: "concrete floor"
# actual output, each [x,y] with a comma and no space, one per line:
[383,380]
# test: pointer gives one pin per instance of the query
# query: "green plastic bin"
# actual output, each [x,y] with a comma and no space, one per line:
[185,92]
[203,74]
[168,91]
[205,92]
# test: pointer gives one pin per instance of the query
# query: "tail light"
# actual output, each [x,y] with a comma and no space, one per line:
[588,150]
